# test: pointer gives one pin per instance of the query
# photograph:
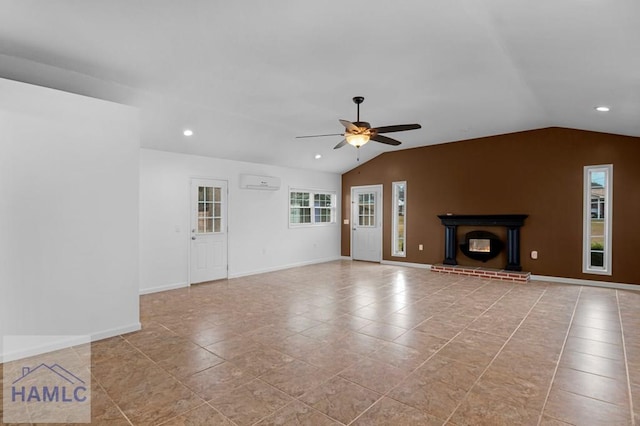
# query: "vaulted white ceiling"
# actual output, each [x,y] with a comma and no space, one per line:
[248,76]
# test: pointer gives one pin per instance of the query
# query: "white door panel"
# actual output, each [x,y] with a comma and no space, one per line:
[208,250]
[366,219]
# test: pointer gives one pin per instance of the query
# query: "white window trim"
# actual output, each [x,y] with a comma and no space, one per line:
[586,220]
[313,223]
[394,216]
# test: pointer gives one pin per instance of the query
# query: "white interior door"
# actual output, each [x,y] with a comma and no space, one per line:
[208,251]
[366,221]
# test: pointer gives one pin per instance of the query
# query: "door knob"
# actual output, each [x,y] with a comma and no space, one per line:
[193,238]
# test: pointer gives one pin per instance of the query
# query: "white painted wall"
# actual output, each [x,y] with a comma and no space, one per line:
[259,235]
[69,170]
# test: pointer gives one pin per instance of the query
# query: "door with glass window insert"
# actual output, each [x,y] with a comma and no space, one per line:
[208,252]
[366,221]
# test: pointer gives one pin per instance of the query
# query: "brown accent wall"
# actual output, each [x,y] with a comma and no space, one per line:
[538,172]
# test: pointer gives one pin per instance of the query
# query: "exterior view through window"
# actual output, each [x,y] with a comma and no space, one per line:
[366,210]
[311,207]
[399,219]
[209,209]
[597,219]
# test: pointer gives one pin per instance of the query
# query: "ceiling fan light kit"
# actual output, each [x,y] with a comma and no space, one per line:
[358,133]
[356,140]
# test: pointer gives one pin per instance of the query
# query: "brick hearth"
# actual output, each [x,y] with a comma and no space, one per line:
[492,274]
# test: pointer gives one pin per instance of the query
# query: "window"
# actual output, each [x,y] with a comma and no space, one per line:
[399,219]
[367,209]
[598,192]
[209,209]
[311,207]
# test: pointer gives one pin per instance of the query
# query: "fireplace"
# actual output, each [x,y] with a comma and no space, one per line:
[512,222]
[481,245]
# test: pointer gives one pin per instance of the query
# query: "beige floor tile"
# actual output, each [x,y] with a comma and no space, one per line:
[387,412]
[261,360]
[218,380]
[594,364]
[592,386]
[581,410]
[332,359]
[446,370]
[400,356]
[251,402]
[203,415]
[296,377]
[340,399]
[382,331]
[158,404]
[439,328]
[374,375]
[209,336]
[340,335]
[420,341]
[473,348]
[297,413]
[426,394]
[483,409]
[186,363]
[593,347]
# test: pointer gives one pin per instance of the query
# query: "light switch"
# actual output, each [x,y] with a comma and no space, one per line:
[346,221]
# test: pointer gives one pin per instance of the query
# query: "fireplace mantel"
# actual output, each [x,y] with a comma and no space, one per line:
[512,222]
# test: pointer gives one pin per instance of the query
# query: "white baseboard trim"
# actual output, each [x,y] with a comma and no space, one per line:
[116,331]
[282,267]
[62,342]
[162,288]
[592,283]
[408,264]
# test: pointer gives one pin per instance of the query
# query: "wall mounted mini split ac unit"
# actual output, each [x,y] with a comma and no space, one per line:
[268,183]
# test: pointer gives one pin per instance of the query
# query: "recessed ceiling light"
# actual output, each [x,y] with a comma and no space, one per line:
[603,109]
[318,156]
[188,132]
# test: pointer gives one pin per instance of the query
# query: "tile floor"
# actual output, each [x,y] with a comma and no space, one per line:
[354,343]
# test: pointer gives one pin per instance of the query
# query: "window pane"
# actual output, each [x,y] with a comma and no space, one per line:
[398,230]
[300,215]
[201,193]
[208,209]
[217,208]
[208,194]
[216,225]
[366,211]
[217,193]
[308,207]
[201,226]
[597,217]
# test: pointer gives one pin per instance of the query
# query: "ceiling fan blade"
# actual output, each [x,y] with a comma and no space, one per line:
[320,136]
[396,128]
[350,126]
[341,144]
[385,139]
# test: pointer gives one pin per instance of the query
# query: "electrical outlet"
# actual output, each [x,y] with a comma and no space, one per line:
[534,254]
[420,247]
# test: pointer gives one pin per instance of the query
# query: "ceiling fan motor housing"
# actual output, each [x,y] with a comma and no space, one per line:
[362,124]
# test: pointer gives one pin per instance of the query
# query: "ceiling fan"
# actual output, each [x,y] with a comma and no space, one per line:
[359,132]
